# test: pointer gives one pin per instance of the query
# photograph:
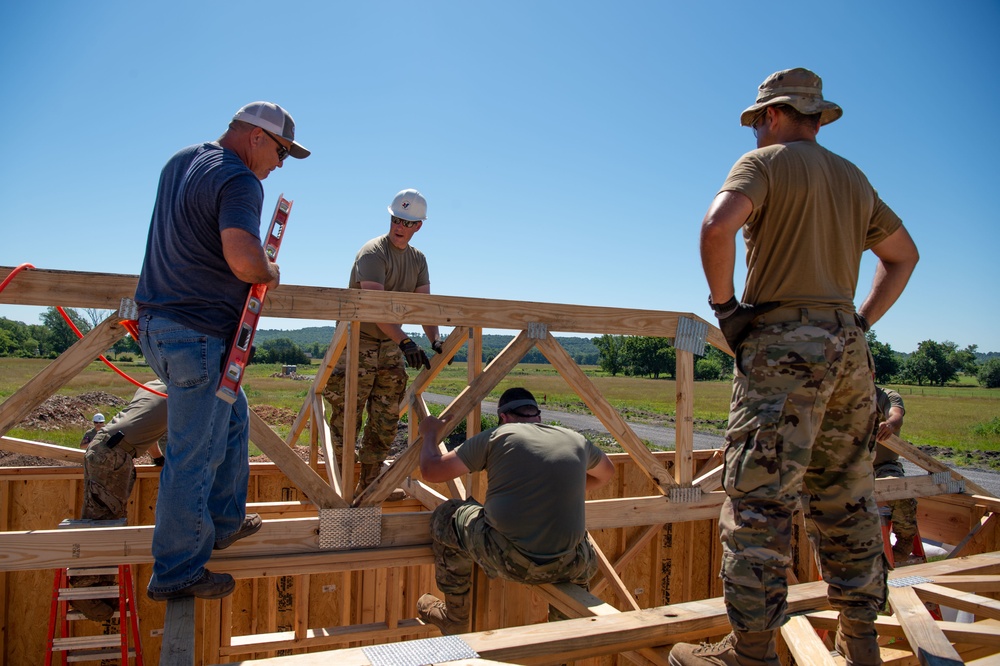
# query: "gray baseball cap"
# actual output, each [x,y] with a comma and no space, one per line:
[799,88]
[274,119]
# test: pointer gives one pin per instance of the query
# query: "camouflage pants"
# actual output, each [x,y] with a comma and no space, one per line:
[904,511]
[462,537]
[109,475]
[381,385]
[799,423]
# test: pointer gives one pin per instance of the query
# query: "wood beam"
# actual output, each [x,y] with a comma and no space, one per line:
[976,604]
[684,418]
[607,414]
[804,643]
[926,639]
[929,463]
[55,375]
[41,449]
[104,290]
[297,470]
[471,395]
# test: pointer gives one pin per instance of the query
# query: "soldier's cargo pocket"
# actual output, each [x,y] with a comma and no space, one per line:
[752,443]
[748,587]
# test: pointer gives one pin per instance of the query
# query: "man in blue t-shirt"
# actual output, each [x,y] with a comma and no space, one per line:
[203,253]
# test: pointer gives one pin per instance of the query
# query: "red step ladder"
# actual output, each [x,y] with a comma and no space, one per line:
[885,513]
[124,645]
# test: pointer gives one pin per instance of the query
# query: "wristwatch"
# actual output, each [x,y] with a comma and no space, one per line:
[718,308]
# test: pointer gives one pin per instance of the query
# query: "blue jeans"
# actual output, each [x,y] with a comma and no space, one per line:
[203,484]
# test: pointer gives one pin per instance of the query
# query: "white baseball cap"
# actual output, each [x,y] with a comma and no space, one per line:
[274,119]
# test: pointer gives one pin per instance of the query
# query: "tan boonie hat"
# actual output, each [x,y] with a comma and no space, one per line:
[798,88]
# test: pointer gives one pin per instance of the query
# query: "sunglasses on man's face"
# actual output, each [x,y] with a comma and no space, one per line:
[406,223]
[282,151]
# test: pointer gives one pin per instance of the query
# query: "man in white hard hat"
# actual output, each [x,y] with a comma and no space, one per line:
[203,253]
[386,263]
[88,436]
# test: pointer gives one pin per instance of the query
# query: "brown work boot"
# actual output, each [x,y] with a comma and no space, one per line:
[738,648]
[857,641]
[451,616]
[370,472]
[94,609]
[902,550]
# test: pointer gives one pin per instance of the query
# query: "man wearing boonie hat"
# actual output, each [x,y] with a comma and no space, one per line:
[532,527]
[386,263]
[803,398]
[203,253]
[88,436]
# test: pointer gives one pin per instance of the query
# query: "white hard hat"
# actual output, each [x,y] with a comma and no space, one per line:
[409,205]
[98,418]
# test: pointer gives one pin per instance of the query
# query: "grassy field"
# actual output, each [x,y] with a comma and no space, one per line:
[963,418]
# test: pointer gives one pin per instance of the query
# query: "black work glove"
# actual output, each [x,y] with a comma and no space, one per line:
[159,460]
[415,356]
[735,319]
[439,349]
[860,320]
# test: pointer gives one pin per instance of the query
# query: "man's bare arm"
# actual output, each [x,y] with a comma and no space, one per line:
[897,256]
[600,474]
[245,255]
[727,214]
[435,466]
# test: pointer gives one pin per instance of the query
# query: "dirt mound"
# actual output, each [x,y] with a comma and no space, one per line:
[68,411]
[275,416]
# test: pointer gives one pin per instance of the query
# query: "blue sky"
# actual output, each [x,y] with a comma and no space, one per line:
[568,151]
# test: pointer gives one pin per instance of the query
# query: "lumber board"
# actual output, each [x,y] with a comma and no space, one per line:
[612,576]
[976,604]
[418,412]
[41,449]
[684,418]
[326,636]
[430,498]
[79,289]
[296,469]
[55,375]
[929,463]
[424,378]
[710,480]
[604,412]
[471,395]
[50,549]
[178,648]
[985,633]
[926,639]
[351,416]
[804,643]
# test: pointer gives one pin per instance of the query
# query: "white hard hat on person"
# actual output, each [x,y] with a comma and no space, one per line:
[409,205]
[98,418]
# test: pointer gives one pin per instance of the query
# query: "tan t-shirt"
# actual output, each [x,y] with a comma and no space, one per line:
[814,214]
[537,484]
[380,261]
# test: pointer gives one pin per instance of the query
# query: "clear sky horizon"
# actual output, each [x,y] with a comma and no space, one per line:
[568,151]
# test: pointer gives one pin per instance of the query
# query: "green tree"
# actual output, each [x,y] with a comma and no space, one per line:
[989,373]
[280,350]
[929,364]
[61,336]
[611,350]
[963,360]
[887,363]
[645,356]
